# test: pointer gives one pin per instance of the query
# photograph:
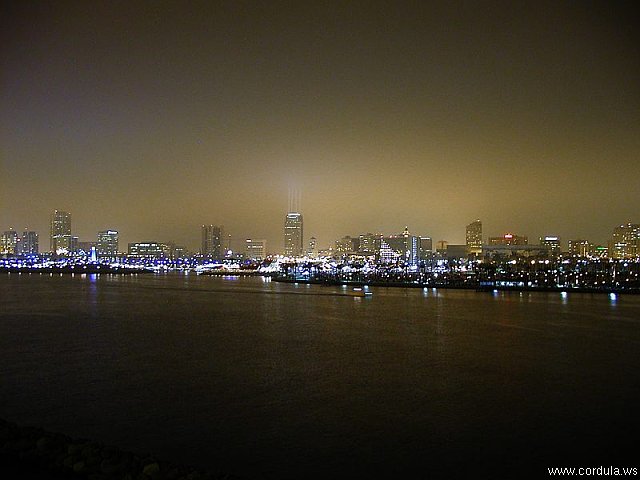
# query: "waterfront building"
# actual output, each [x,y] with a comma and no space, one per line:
[107,244]
[552,243]
[148,250]
[312,250]
[293,235]
[9,242]
[29,243]
[425,248]
[212,240]
[256,249]
[368,244]
[625,241]
[580,248]
[399,248]
[60,230]
[474,238]
[509,239]
[347,245]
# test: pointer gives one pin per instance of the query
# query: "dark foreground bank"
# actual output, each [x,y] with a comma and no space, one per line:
[34,453]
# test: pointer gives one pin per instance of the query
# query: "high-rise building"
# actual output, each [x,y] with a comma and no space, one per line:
[509,239]
[400,248]
[9,242]
[293,235]
[474,238]
[580,248]
[625,241]
[347,245]
[312,250]
[29,243]
[426,247]
[369,244]
[107,244]
[256,249]
[552,242]
[61,239]
[212,240]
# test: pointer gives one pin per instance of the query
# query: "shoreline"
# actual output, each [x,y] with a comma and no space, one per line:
[35,453]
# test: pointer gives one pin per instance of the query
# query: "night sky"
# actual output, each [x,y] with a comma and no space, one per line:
[156,117]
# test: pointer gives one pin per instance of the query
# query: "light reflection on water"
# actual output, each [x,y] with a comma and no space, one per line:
[288,378]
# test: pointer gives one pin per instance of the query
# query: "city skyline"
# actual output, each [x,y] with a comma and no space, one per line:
[156,119]
[215,241]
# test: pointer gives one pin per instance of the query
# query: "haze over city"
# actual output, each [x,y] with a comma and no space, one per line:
[156,118]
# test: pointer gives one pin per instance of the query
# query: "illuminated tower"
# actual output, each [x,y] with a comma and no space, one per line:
[293,234]
[61,240]
[474,238]
[212,241]
[9,242]
[29,242]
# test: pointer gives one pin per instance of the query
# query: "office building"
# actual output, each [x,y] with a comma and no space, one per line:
[255,249]
[580,248]
[29,243]
[293,235]
[552,243]
[107,244]
[212,240]
[61,241]
[347,245]
[148,250]
[403,248]
[9,242]
[625,241]
[474,238]
[509,239]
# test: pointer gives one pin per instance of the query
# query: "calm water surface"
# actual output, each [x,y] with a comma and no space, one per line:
[271,380]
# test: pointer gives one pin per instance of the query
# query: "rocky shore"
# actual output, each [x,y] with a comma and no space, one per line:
[34,453]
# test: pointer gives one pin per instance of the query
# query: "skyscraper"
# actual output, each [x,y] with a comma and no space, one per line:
[61,240]
[625,241]
[107,245]
[293,235]
[474,238]
[212,240]
[29,243]
[9,242]
[256,249]
[552,242]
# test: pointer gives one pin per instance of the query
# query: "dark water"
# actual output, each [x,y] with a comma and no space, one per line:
[274,380]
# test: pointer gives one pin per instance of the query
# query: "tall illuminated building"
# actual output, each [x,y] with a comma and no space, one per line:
[256,249]
[212,239]
[29,243]
[61,239]
[552,242]
[107,244]
[625,241]
[9,242]
[474,238]
[403,248]
[293,235]
[580,248]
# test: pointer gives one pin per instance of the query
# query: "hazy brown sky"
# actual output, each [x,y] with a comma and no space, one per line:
[155,117]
